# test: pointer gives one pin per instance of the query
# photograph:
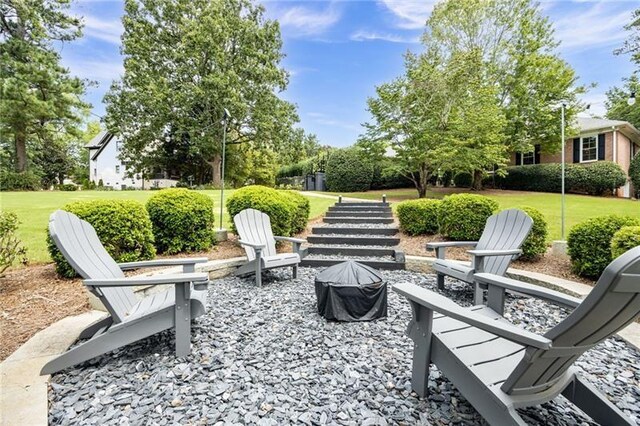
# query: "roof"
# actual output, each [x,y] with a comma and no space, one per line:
[102,144]
[590,124]
[97,140]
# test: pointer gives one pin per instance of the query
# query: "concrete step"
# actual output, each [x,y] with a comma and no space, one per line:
[355,240]
[339,208]
[319,230]
[358,220]
[377,264]
[358,213]
[344,250]
[364,204]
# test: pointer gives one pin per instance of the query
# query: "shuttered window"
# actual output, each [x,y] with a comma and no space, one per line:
[589,148]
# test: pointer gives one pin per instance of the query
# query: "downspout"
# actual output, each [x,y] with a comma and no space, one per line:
[615,144]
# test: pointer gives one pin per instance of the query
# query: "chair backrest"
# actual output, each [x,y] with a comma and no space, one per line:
[79,244]
[254,226]
[505,230]
[613,303]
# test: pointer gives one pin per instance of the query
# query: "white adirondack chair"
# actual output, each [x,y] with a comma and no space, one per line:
[129,320]
[499,367]
[499,244]
[256,236]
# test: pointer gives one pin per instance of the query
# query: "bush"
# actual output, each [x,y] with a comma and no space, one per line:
[536,243]
[463,216]
[303,209]
[182,220]
[463,180]
[347,171]
[418,217]
[596,178]
[589,243]
[10,246]
[123,227]
[67,187]
[625,239]
[301,168]
[634,174]
[14,181]
[280,208]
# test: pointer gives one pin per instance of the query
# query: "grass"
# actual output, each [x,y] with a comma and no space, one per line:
[578,208]
[33,210]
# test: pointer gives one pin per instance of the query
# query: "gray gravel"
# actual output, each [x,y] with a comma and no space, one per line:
[264,356]
[359,225]
[355,235]
[348,257]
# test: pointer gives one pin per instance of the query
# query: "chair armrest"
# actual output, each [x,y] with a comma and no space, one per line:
[252,245]
[154,280]
[531,290]
[483,253]
[291,240]
[441,247]
[441,304]
[162,262]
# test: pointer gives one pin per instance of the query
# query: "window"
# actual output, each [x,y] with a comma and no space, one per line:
[589,149]
[95,172]
[528,158]
[117,169]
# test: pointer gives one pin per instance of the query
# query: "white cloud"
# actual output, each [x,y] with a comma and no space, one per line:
[597,107]
[410,14]
[599,25]
[363,35]
[100,70]
[326,120]
[107,30]
[301,21]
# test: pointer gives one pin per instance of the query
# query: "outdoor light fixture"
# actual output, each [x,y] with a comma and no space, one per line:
[562,108]
[632,99]
[222,234]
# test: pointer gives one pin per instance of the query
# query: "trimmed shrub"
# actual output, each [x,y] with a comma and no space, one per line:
[418,217]
[67,187]
[10,246]
[463,216]
[347,171]
[14,181]
[536,243]
[463,180]
[589,243]
[182,220]
[280,208]
[303,209]
[634,174]
[123,227]
[598,178]
[625,239]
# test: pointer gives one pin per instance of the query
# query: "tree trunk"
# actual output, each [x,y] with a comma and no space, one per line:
[21,150]
[477,180]
[422,181]
[216,169]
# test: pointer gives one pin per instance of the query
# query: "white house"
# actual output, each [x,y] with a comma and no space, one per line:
[105,165]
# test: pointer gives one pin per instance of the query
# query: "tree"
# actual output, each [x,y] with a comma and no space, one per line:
[185,61]
[632,44]
[40,100]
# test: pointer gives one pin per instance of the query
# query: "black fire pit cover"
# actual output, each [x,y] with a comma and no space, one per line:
[351,291]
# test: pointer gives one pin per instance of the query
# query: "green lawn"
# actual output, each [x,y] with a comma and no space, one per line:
[33,210]
[578,207]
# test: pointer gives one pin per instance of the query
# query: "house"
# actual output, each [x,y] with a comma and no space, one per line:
[106,166]
[598,140]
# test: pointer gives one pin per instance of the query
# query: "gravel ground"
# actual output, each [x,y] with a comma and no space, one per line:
[359,225]
[348,257]
[355,235]
[264,356]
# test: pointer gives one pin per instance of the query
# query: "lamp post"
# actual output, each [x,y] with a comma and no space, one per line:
[221,234]
[562,107]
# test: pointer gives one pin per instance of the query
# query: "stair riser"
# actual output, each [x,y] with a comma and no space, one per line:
[364,203]
[356,241]
[351,231]
[362,214]
[317,263]
[339,208]
[348,251]
[357,220]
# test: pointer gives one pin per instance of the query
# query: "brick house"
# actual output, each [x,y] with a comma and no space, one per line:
[598,140]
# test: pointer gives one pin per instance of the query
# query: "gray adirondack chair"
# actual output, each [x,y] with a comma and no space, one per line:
[499,244]
[499,367]
[129,320]
[256,236]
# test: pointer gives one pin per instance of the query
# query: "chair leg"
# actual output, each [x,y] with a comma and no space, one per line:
[295,272]
[258,274]
[94,328]
[182,316]
[440,281]
[419,331]
[478,296]
[594,404]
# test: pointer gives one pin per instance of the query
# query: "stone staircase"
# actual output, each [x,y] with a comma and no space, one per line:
[364,232]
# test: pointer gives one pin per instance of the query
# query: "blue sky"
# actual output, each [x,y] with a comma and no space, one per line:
[338,51]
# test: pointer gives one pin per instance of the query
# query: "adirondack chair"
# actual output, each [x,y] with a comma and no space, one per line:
[499,243]
[254,230]
[499,367]
[129,320]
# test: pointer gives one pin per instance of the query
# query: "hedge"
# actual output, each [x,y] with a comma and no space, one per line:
[595,178]
[625,239]
[303,209]
[347,171]
[182,220]
[14,181]
[67,187]
[589,243]
[463,216]
[418,217]
[463,180]
[634,174]
[123,227]
[536,243]
[280,207]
